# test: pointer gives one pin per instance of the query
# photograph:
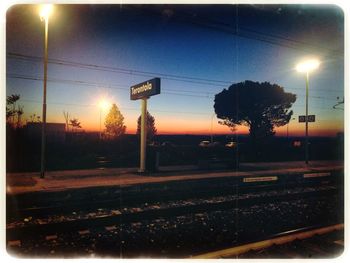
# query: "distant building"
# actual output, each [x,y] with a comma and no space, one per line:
[55,132]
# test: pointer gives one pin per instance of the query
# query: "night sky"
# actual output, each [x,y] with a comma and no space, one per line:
[99,51]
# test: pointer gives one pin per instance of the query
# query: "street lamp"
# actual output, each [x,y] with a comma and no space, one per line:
[45,12]
[103,104]
[306,67]
[211,127]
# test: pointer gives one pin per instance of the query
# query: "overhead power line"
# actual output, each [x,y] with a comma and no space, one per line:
[154,110]
[84,83]
[201,81]
[210,82]
[122,108]
[104,85]
[209,95]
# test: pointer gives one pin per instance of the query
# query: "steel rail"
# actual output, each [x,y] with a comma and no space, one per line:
[108,220]
[276,239]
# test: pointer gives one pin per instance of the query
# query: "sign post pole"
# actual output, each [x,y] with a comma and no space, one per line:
[143,135]
[143,91]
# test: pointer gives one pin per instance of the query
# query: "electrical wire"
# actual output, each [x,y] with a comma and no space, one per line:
[209,95]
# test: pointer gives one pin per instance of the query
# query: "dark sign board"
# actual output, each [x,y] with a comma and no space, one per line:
[145,89]
[302,118]
[311,118]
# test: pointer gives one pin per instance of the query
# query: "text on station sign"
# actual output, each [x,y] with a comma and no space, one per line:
[145,89]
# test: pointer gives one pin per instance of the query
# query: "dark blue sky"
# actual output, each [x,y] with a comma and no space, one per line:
[187,46]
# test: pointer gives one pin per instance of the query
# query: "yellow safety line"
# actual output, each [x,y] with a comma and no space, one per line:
[230,252]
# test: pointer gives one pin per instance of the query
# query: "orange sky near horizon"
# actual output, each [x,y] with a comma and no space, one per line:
[167,123]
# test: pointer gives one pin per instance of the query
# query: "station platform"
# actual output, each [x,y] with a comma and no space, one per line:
[17,183]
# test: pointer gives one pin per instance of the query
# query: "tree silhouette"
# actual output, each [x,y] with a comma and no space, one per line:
[11,110]
[114,122]
[151,127]
[34,118]
[260,106]
[12,99]
[19,113]
[75,124]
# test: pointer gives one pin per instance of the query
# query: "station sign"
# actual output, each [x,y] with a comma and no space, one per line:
[260,179]
[145,89]
[311,118]
[313,175]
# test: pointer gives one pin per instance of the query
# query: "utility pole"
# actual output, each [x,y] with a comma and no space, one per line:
[45,17]
[307,120]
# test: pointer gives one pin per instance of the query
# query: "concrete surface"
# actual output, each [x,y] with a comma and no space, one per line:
[61,180]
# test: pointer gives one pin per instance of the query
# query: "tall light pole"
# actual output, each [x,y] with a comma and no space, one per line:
[306,67]
[45,12]
[211,127]
[103,104]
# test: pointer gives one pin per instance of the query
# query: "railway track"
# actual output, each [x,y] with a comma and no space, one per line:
[91,199]
[307,242]
[154,211]
[216,212]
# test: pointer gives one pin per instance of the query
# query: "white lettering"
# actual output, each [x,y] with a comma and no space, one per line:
[143,88]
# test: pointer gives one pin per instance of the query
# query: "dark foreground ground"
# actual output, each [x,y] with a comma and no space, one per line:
[171,215]
[186,235]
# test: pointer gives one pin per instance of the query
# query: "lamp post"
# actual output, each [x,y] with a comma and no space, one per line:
[100,121]
[45,11]
[211,127]
[306,67]
[103,104]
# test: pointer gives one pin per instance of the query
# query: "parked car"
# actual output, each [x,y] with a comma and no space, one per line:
[209,144]
[231,144]
[204,144]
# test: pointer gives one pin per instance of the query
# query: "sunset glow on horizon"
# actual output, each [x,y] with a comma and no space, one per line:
[175,125]
[96,53]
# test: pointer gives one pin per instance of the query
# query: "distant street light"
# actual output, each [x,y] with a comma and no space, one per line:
[306,67]
[103,104]
[211,127]
[45,12]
